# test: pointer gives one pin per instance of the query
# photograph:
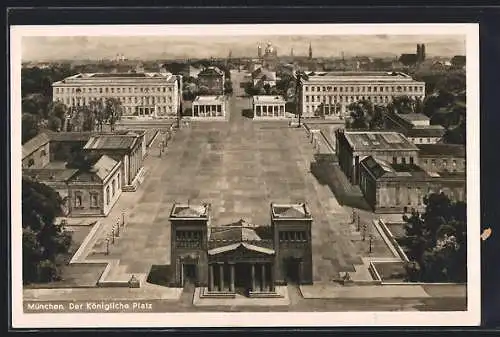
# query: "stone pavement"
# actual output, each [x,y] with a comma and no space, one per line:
[386,291]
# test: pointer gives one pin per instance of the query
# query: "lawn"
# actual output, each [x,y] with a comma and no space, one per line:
[391,271]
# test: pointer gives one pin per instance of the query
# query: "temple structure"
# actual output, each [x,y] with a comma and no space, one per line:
[241,257]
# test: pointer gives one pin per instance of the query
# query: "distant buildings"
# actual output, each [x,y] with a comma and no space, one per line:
[394,174]
[152,95]
[329,94]
[268,106]
[211,81]
[209,106]
[263,77]
[413,59]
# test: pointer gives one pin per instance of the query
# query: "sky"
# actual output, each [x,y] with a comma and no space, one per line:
[47,48]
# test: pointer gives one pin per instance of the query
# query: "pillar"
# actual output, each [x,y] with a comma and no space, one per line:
[300,271]
[231,277]
[253,277]
[263,277]
[271,284]
[221,276]
[210,277]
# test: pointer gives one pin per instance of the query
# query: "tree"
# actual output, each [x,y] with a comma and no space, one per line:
[113,111]
[44,242]
[97,109]
[360,114]
[228,87]
[36,104]
[30,127]
[405,105]
[436,241]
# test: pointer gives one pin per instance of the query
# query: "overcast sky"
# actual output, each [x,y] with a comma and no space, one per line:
[41,48]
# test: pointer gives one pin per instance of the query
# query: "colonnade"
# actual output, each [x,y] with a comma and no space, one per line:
[262,282]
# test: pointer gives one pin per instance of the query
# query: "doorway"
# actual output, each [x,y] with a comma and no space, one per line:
[292,273]
[189,273]
[243,278]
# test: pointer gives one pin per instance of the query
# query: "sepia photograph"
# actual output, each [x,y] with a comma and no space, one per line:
[310,175]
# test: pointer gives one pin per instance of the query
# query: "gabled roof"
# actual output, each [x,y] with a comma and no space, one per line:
[35,143]
[244,245]
[110,142]
[104,166]
[377,167]
[211,71]
[238,232]
[291,211]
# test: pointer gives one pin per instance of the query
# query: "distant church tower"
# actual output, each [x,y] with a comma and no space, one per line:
[259,51]
[310,51]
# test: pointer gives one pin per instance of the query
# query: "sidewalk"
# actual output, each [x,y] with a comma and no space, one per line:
[319,291]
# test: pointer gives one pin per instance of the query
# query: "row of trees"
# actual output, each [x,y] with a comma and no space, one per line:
[436,241]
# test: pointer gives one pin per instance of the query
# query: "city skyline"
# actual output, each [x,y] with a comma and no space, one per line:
[48,48]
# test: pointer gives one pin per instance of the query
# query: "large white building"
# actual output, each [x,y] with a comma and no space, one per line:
[329,94]
[267,106]
[209,106]
[153,95]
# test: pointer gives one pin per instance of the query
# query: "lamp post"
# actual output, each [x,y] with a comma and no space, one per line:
[107,246]
[353,215]
[371,241]
[358,228]
[123,218]
[365,227]
[117,229]
[113,235]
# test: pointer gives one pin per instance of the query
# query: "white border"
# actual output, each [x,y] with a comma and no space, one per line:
[268,319]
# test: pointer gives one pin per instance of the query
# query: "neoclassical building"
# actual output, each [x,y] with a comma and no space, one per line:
[329,94]
[152,95]
[268,106]
[240,257]
[209,106]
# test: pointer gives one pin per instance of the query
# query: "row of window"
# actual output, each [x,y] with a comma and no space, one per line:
[398,88]
[334,99]
[188,239]
[112,90]
[402,160]
[293,236]
[443,162]
[271,108]
[207,108]
[129,99]
[94,197]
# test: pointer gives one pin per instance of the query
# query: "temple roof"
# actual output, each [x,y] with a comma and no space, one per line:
[245,245]
[237,232]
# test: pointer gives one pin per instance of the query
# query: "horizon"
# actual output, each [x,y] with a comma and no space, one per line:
[72,48]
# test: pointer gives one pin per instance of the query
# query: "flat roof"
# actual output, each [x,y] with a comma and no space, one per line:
[378,141]
[413,117]
[290,211]
[358,76]
[190,211]
[84,77]
[442,149]
[209,99]
[50,175]
[110,142]
[268,99]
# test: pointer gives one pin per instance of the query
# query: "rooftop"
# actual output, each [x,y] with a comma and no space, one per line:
[110,142]
[70,136]
[50,175]
[380,168]
[357,76]
[291,211]
[413,117]
[268,99]
[378,141]
[189,211]
[117,76]
[209,99]
[211,71]
[34,143]
[241,231]
[104,166]
[436,131]
[442,149]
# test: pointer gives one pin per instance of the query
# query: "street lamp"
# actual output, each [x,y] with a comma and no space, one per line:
[371,242]
[107,246]
[365,227]
[117,226]
[123,218]
[113,235]
[359,220]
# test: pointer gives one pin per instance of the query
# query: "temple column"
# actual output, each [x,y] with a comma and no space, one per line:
[253,277]
[263,277]
[231,277]
[271,285]
[300,271]
[210,277]
[221,276]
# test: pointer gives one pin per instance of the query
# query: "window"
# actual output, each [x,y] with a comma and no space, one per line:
[312,88]
[369,89]
[100,90]
[307,88]
[381,89]
[403,160]
[318,89]
[94,200]
[335,89]
[107,195]
[43,153]
[78,200]
[374,89]
[113,187]
[324,88]
[117,90]
[352,89]
[411,160]
[312,98]
[341,89]
[307,98]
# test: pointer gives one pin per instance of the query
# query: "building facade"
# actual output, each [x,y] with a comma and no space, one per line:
[36,152]
[332,92]
[268,106]
[353,146]
[94,192]
[209,106]
[212,78]
[240,257]
[399,188]
[152,95]
[126,148]
[442,157]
